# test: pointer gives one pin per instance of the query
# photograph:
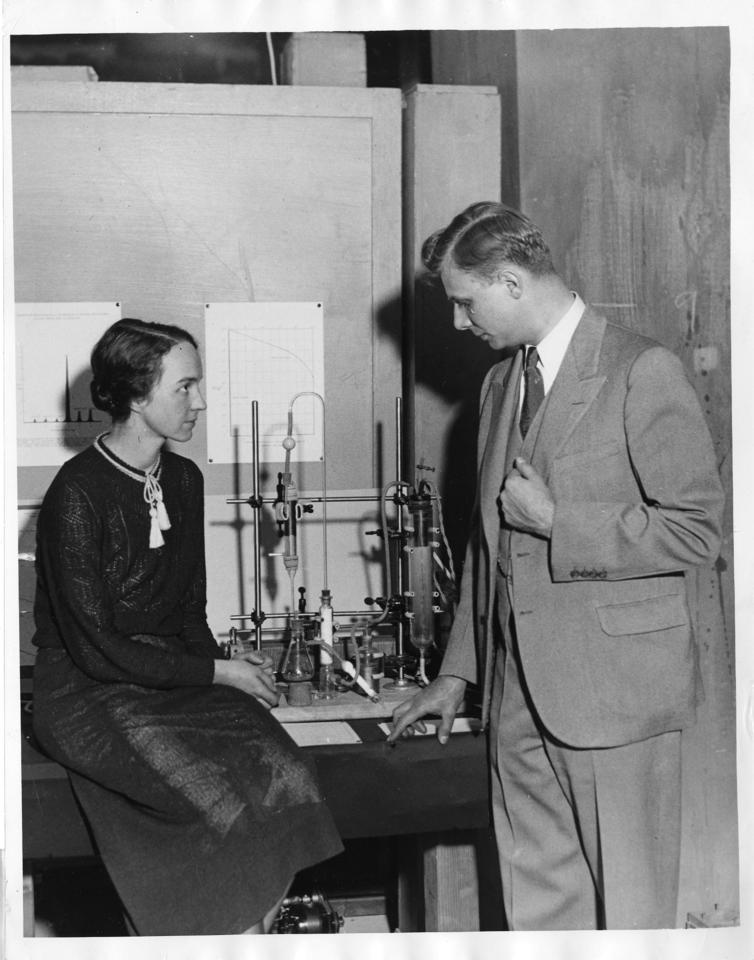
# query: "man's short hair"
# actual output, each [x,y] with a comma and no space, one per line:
[485,236]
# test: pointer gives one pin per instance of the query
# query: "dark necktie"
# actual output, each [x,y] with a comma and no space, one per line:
[534,389]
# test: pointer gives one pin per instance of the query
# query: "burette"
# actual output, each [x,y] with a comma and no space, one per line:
[285,514]
[290,512]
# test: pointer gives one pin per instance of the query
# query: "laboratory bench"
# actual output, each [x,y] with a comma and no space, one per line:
[430,801]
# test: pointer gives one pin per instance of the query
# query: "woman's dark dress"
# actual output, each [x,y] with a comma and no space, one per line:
[202,807]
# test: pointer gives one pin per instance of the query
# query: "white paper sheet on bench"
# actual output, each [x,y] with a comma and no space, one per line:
[321,732]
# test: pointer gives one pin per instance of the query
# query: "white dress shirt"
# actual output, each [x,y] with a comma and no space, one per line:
[552,348]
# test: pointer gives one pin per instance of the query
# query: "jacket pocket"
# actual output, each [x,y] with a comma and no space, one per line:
[643,616]
[592,453]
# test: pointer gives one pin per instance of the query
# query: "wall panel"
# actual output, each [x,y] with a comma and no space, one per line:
[166,197]
[623,160]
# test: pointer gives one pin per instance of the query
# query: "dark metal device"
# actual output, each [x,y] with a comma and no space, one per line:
[308,914]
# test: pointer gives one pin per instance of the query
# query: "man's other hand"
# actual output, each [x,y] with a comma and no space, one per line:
[441,698]
[526,500]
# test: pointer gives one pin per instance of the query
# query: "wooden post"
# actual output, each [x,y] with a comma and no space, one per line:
[451,158]
[451,885]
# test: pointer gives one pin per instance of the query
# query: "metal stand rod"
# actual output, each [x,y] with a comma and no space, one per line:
[399,632]
[355,498]
[308,614]
[256,506]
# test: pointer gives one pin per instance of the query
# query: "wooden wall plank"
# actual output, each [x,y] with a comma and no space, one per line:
[465,57]
[623,154]
[633,192]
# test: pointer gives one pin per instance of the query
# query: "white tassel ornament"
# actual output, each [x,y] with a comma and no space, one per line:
[158,515]
[157,512]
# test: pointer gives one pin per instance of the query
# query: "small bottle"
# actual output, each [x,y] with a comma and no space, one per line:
[326,688]
[366,656]
[372,661]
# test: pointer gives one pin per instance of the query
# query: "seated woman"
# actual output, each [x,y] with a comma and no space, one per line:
[202,807]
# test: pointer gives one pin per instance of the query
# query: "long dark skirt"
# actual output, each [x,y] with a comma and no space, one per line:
[201,805]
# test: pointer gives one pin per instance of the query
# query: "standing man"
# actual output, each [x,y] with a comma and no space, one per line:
[597,491]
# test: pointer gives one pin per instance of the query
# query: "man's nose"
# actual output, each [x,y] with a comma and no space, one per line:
[199,402]
[460,318]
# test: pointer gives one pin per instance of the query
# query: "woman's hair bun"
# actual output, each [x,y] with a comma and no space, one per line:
[101,398]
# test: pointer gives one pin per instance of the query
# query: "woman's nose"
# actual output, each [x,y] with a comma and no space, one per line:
[199,402]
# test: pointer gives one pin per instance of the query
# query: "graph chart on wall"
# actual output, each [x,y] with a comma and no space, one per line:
[271,353]
[55,417]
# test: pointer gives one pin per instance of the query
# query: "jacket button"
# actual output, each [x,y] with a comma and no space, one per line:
[524,613]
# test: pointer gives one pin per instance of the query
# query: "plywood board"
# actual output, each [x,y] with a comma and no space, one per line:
[178,196]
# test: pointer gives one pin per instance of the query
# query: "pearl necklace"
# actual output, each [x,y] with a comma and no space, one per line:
[152,490]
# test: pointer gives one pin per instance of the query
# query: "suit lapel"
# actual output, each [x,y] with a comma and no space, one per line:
[503,407]
[573,391]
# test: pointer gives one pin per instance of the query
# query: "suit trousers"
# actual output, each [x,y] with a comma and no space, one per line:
[587,839]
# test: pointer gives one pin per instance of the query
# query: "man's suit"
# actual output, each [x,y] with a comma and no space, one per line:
[597,614]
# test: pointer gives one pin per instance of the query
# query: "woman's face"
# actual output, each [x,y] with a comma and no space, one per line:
[174,403]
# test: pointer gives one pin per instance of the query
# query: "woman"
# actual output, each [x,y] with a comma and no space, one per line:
[201,806]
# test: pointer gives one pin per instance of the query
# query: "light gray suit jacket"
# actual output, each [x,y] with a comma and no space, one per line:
[601,615]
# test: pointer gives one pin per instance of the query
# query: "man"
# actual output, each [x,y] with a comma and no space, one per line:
[597,490]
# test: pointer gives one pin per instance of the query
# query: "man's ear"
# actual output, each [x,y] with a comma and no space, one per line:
[512,280]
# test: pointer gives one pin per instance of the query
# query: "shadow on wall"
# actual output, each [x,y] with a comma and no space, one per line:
[449,367]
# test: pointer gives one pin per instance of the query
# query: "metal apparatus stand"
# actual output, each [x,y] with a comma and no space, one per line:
[392,606]
[400,501]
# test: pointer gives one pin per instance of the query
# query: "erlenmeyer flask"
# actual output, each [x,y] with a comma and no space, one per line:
[298,668]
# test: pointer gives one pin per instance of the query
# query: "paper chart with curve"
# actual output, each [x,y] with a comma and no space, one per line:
[271,353]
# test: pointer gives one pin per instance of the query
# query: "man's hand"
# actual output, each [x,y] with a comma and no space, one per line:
[526,500]
[442,697]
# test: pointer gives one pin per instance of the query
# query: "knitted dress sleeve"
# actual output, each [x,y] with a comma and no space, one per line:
[75,607]
[195,630]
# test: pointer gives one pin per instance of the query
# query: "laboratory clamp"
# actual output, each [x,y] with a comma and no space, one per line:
[391,641]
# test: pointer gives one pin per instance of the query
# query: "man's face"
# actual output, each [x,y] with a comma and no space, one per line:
[491,311]
[174,403]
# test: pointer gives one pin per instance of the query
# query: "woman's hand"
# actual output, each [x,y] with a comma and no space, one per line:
[251,672]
